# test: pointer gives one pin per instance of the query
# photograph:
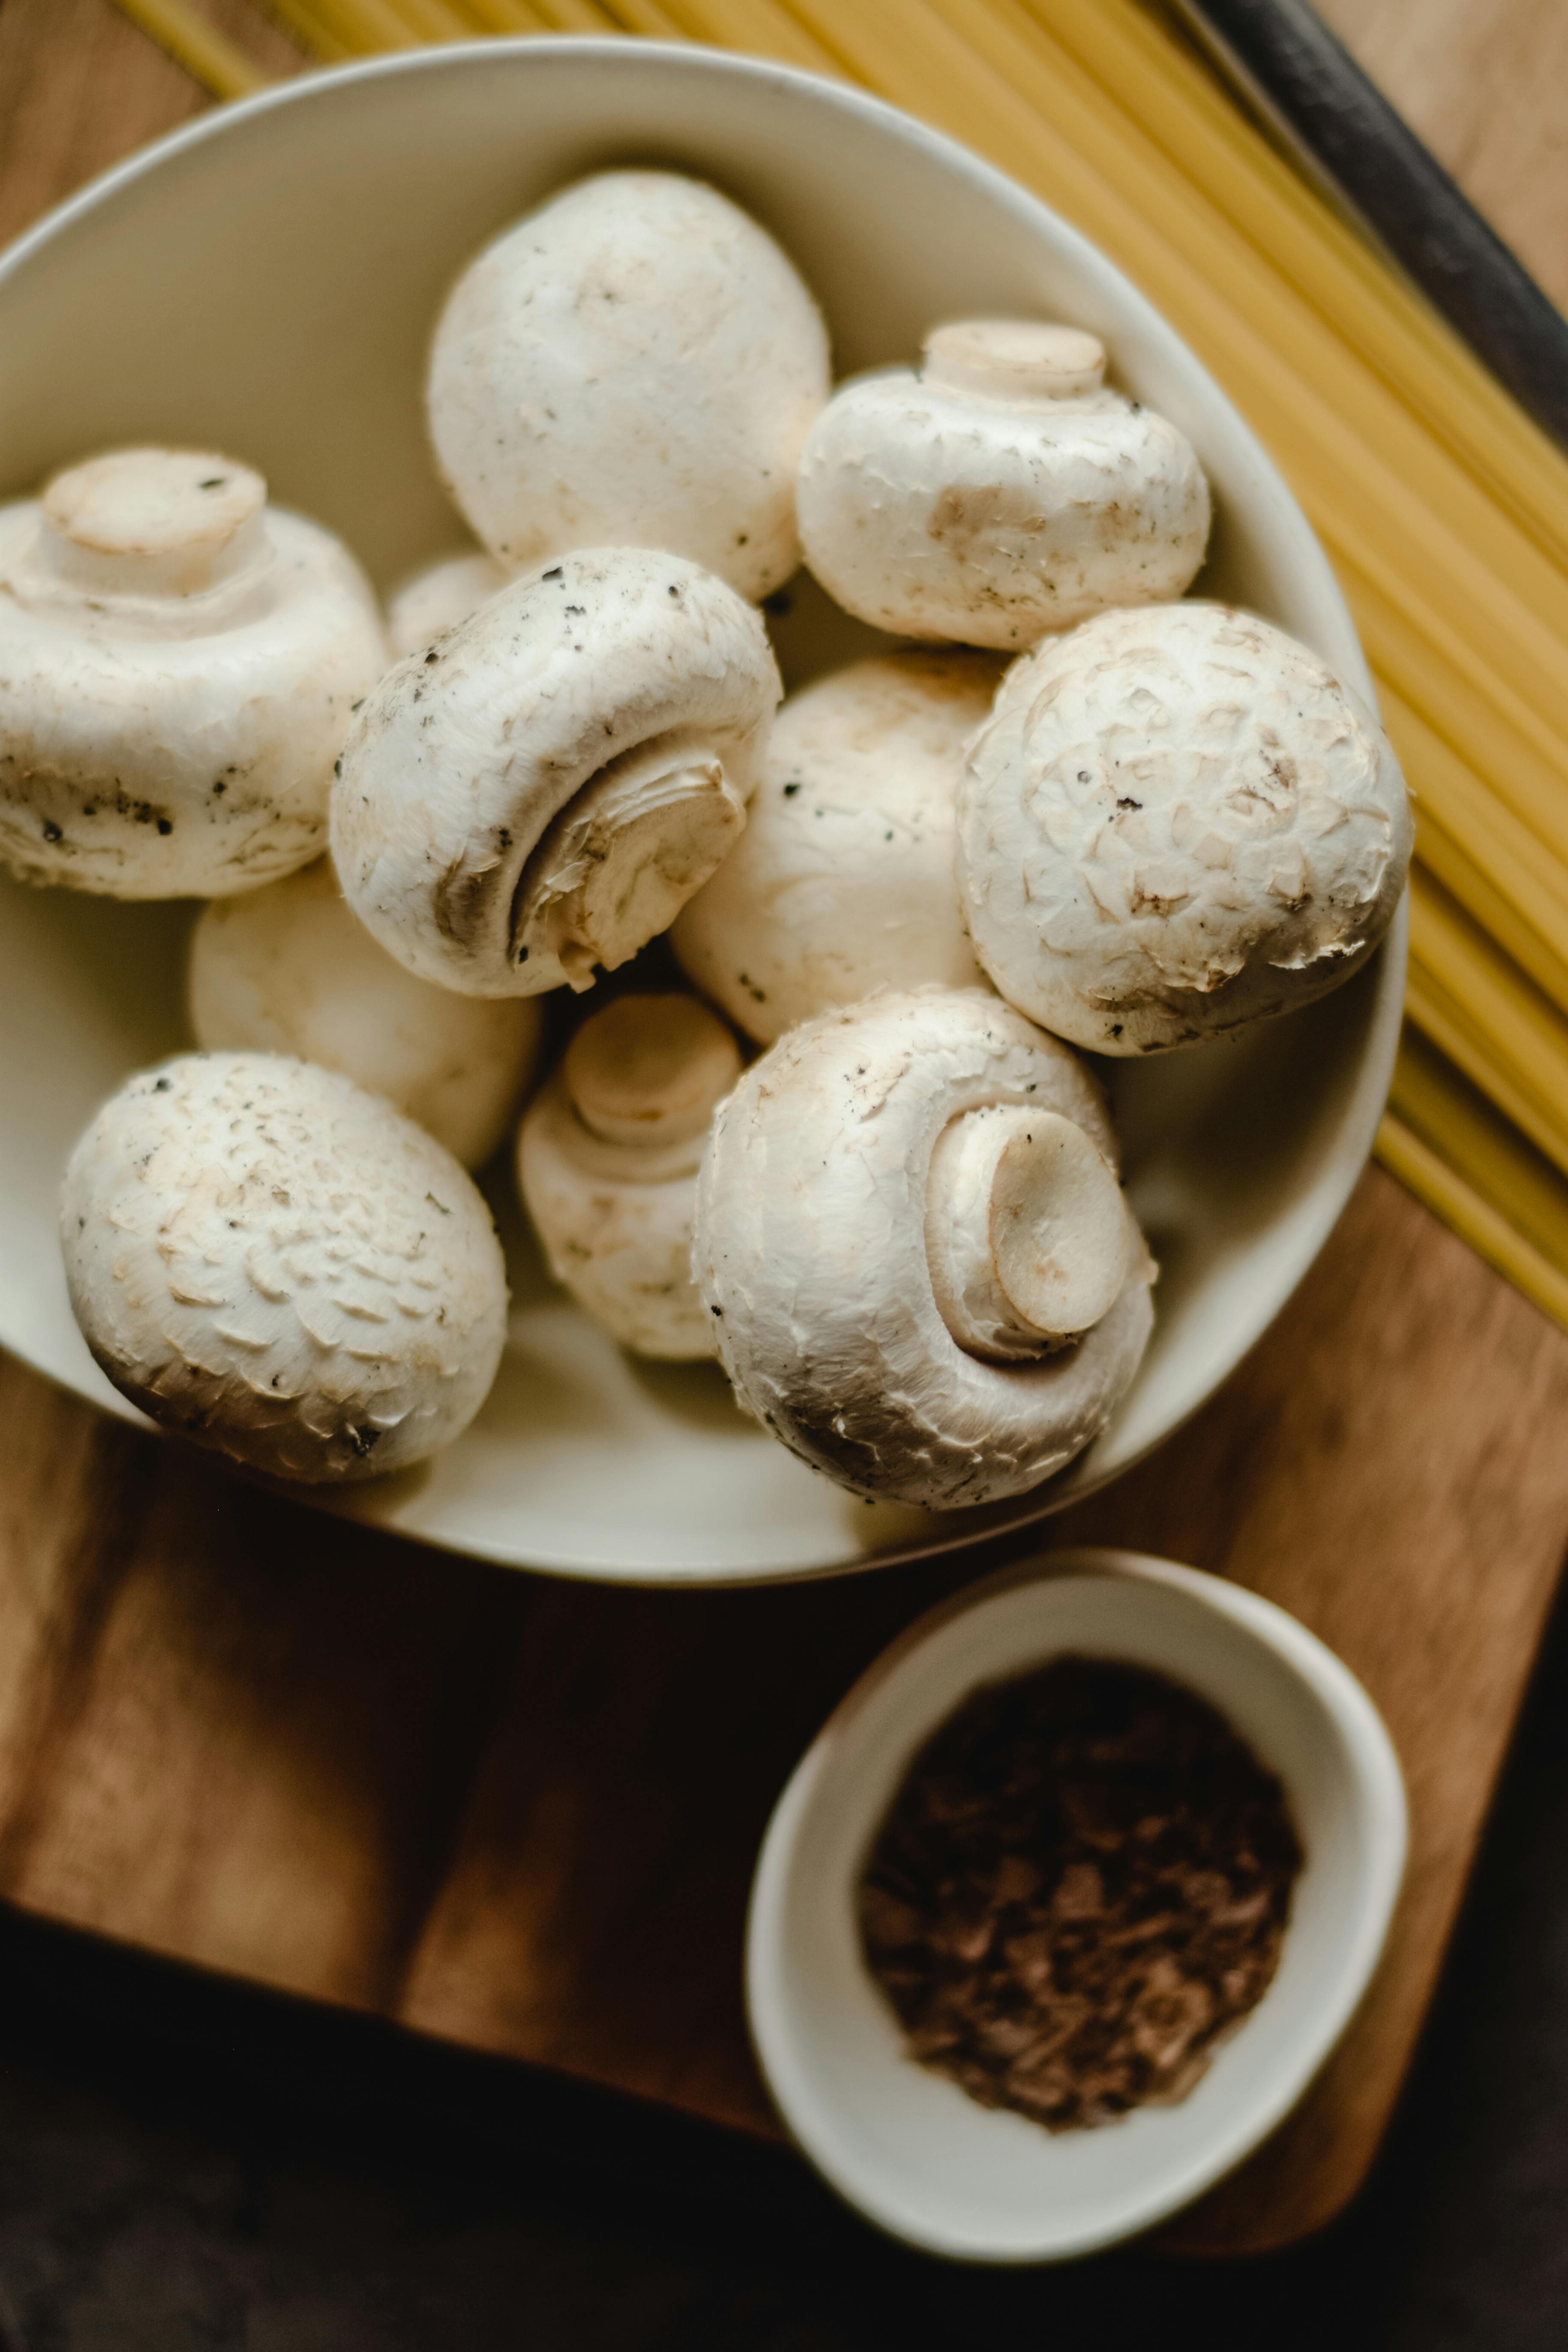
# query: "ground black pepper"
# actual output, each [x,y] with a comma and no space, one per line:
[1083,1883]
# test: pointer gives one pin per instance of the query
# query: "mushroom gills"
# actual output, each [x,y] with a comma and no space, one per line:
[1027,1232]
[561,771]
[622,858]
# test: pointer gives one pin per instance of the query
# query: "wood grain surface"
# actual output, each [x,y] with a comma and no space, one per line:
[1484,82]
[521,1814]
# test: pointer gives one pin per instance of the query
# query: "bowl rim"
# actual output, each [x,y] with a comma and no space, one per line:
[1348,1152]
[1379,1793]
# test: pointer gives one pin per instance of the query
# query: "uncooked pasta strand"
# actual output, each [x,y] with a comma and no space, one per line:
[356,29]
[1449,863]
[1452,1116]
[1501,742]
[1168,96]
[575,17]
[197,45]
[1254,286]
[431,20]
[510,16]
[1386,425]
[758,27]
[645,17]
[1350,487]
[1472,1214]
[1483,1013]
[309,28]
[1526,873]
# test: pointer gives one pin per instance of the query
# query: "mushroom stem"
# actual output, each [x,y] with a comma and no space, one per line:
[151,523]
[608,1158]
[650,1070]
[619,862]
[1027,1232]
[1014,359]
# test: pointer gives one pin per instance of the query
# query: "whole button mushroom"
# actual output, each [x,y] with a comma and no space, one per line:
[542,790]
[1000,493]
[438,597]
[291,969]
[607,1161]
[179,663]
[1177,822]
[842,882]
[922,1274]
[634,363]
[279,1265]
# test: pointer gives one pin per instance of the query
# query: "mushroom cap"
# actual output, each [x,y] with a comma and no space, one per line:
[935,509]
[607,1162]
[464,757]
[1177,821]
[437,597]
[181,662]
[811,1253]
[277,1265]
[842,882]
[634,363]
[291,969]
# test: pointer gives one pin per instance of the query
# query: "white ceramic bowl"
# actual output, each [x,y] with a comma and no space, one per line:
[906,2146]
[266,281]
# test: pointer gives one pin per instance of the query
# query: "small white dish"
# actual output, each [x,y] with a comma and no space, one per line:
[266,281]
[913,2152]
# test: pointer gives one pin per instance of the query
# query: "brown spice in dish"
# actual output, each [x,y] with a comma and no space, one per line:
[1083,1882]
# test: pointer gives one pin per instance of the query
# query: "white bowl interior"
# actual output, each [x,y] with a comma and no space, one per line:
[266,281]
[910,2148]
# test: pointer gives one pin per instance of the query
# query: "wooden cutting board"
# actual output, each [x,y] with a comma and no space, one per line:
[522,1813]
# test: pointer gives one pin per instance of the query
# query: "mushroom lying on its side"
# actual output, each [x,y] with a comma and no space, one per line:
[1001,493]
[437,597]
[1177,822]
[607,1162]
[843,881]
[542,790]
[180,661]
[289,969]
[922,1274]
[635,364]
[279,1265]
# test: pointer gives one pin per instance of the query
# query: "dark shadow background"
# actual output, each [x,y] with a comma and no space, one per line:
[187,2164]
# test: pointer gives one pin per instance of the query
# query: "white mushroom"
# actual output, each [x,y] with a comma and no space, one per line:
[544,790]
[277,1265]
[438,596]
[291,969]
[607,1161]
[1177,821]
[1000,493]
[179,661]
[842,882]
[635,364]
[923,1275]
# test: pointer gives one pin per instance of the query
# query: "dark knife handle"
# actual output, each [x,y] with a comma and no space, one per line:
[1284,59]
